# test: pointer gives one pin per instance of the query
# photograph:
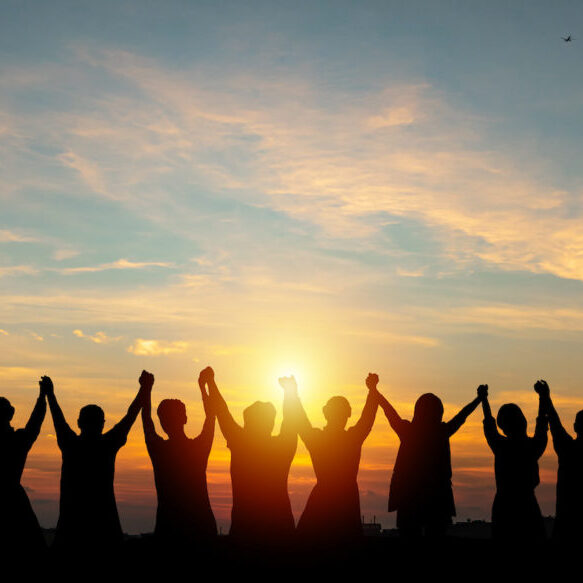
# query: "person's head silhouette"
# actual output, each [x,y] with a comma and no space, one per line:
[91,420]
[336,412]
[259,418]
[578,425]
[511,420]
[6,411]
[172,415]
[428,410]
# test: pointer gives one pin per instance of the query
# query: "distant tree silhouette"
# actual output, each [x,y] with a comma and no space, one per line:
[421,490]
[332,512]
[88,517]
[260,466]
[19,527]
[568,525]
[184,513]
[516,515]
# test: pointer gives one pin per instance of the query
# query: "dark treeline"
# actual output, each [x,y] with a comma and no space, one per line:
[420,490]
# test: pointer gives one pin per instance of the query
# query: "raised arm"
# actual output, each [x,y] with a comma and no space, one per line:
[491,433]
[62,429]
[458,420]
[207,434]
[35,421]
[559,433]
[364,424]
[540,437]
[391,414]
[295,420]
[146,383]
[121,429]
[228,425]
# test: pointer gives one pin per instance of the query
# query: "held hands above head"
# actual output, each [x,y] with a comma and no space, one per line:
[46,386]
[288,384]
[372,380]
[483,392]
[146,381]
[542,388]
[206,376]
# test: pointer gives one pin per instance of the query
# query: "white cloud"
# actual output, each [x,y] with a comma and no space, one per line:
[97,338]
[142,347]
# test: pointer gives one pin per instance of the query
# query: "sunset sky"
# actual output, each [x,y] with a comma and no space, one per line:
[316,188]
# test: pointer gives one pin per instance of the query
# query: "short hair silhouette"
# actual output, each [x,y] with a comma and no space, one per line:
[91,419]
[6,410]
[337,411]
[511,420]
[428,410]
[259,417]
[172,415]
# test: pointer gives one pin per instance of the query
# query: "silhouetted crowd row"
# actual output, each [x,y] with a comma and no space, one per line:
[420,490]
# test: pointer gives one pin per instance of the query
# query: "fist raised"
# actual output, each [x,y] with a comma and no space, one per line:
[372,380]
[206,375]
[46,385]
[146,380]
[542,388]
[288,383]
[483,391]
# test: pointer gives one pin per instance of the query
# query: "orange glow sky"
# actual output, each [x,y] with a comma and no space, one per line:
[320,188]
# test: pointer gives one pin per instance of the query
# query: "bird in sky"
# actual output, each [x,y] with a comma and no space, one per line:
[567,39]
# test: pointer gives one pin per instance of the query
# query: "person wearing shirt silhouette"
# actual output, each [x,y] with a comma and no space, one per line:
[516,515]
[421,490]
[260,464]
[184,514]
[568,527]
[88,517]
[19,527]
[332,513]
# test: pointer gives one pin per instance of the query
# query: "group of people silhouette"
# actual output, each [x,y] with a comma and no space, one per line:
[420,490]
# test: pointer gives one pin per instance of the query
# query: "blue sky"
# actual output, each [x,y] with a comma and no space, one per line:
[325,188]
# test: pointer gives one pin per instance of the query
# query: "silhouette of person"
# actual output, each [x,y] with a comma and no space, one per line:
[568,525]
[516,515]
[88,518]
[332,512]
[260,464]
[19,527]
[421,490]
[184,513]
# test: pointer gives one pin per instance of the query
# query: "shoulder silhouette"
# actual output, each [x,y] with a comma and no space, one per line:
[332,512]
[568,525]
[260,464]
[88,517]
[515,512]
[184,514]
[20,530]
[421,490]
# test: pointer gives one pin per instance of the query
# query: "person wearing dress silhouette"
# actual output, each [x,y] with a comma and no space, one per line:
[421,490]
[260,464]
[88,518]
[184,514]
[568,527]
[19,527]
[516,515]
[332,512]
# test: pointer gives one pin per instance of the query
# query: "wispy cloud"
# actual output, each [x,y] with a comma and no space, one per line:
[142,347]
[98,337]
[119,264]
[18,270]
[7,236]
